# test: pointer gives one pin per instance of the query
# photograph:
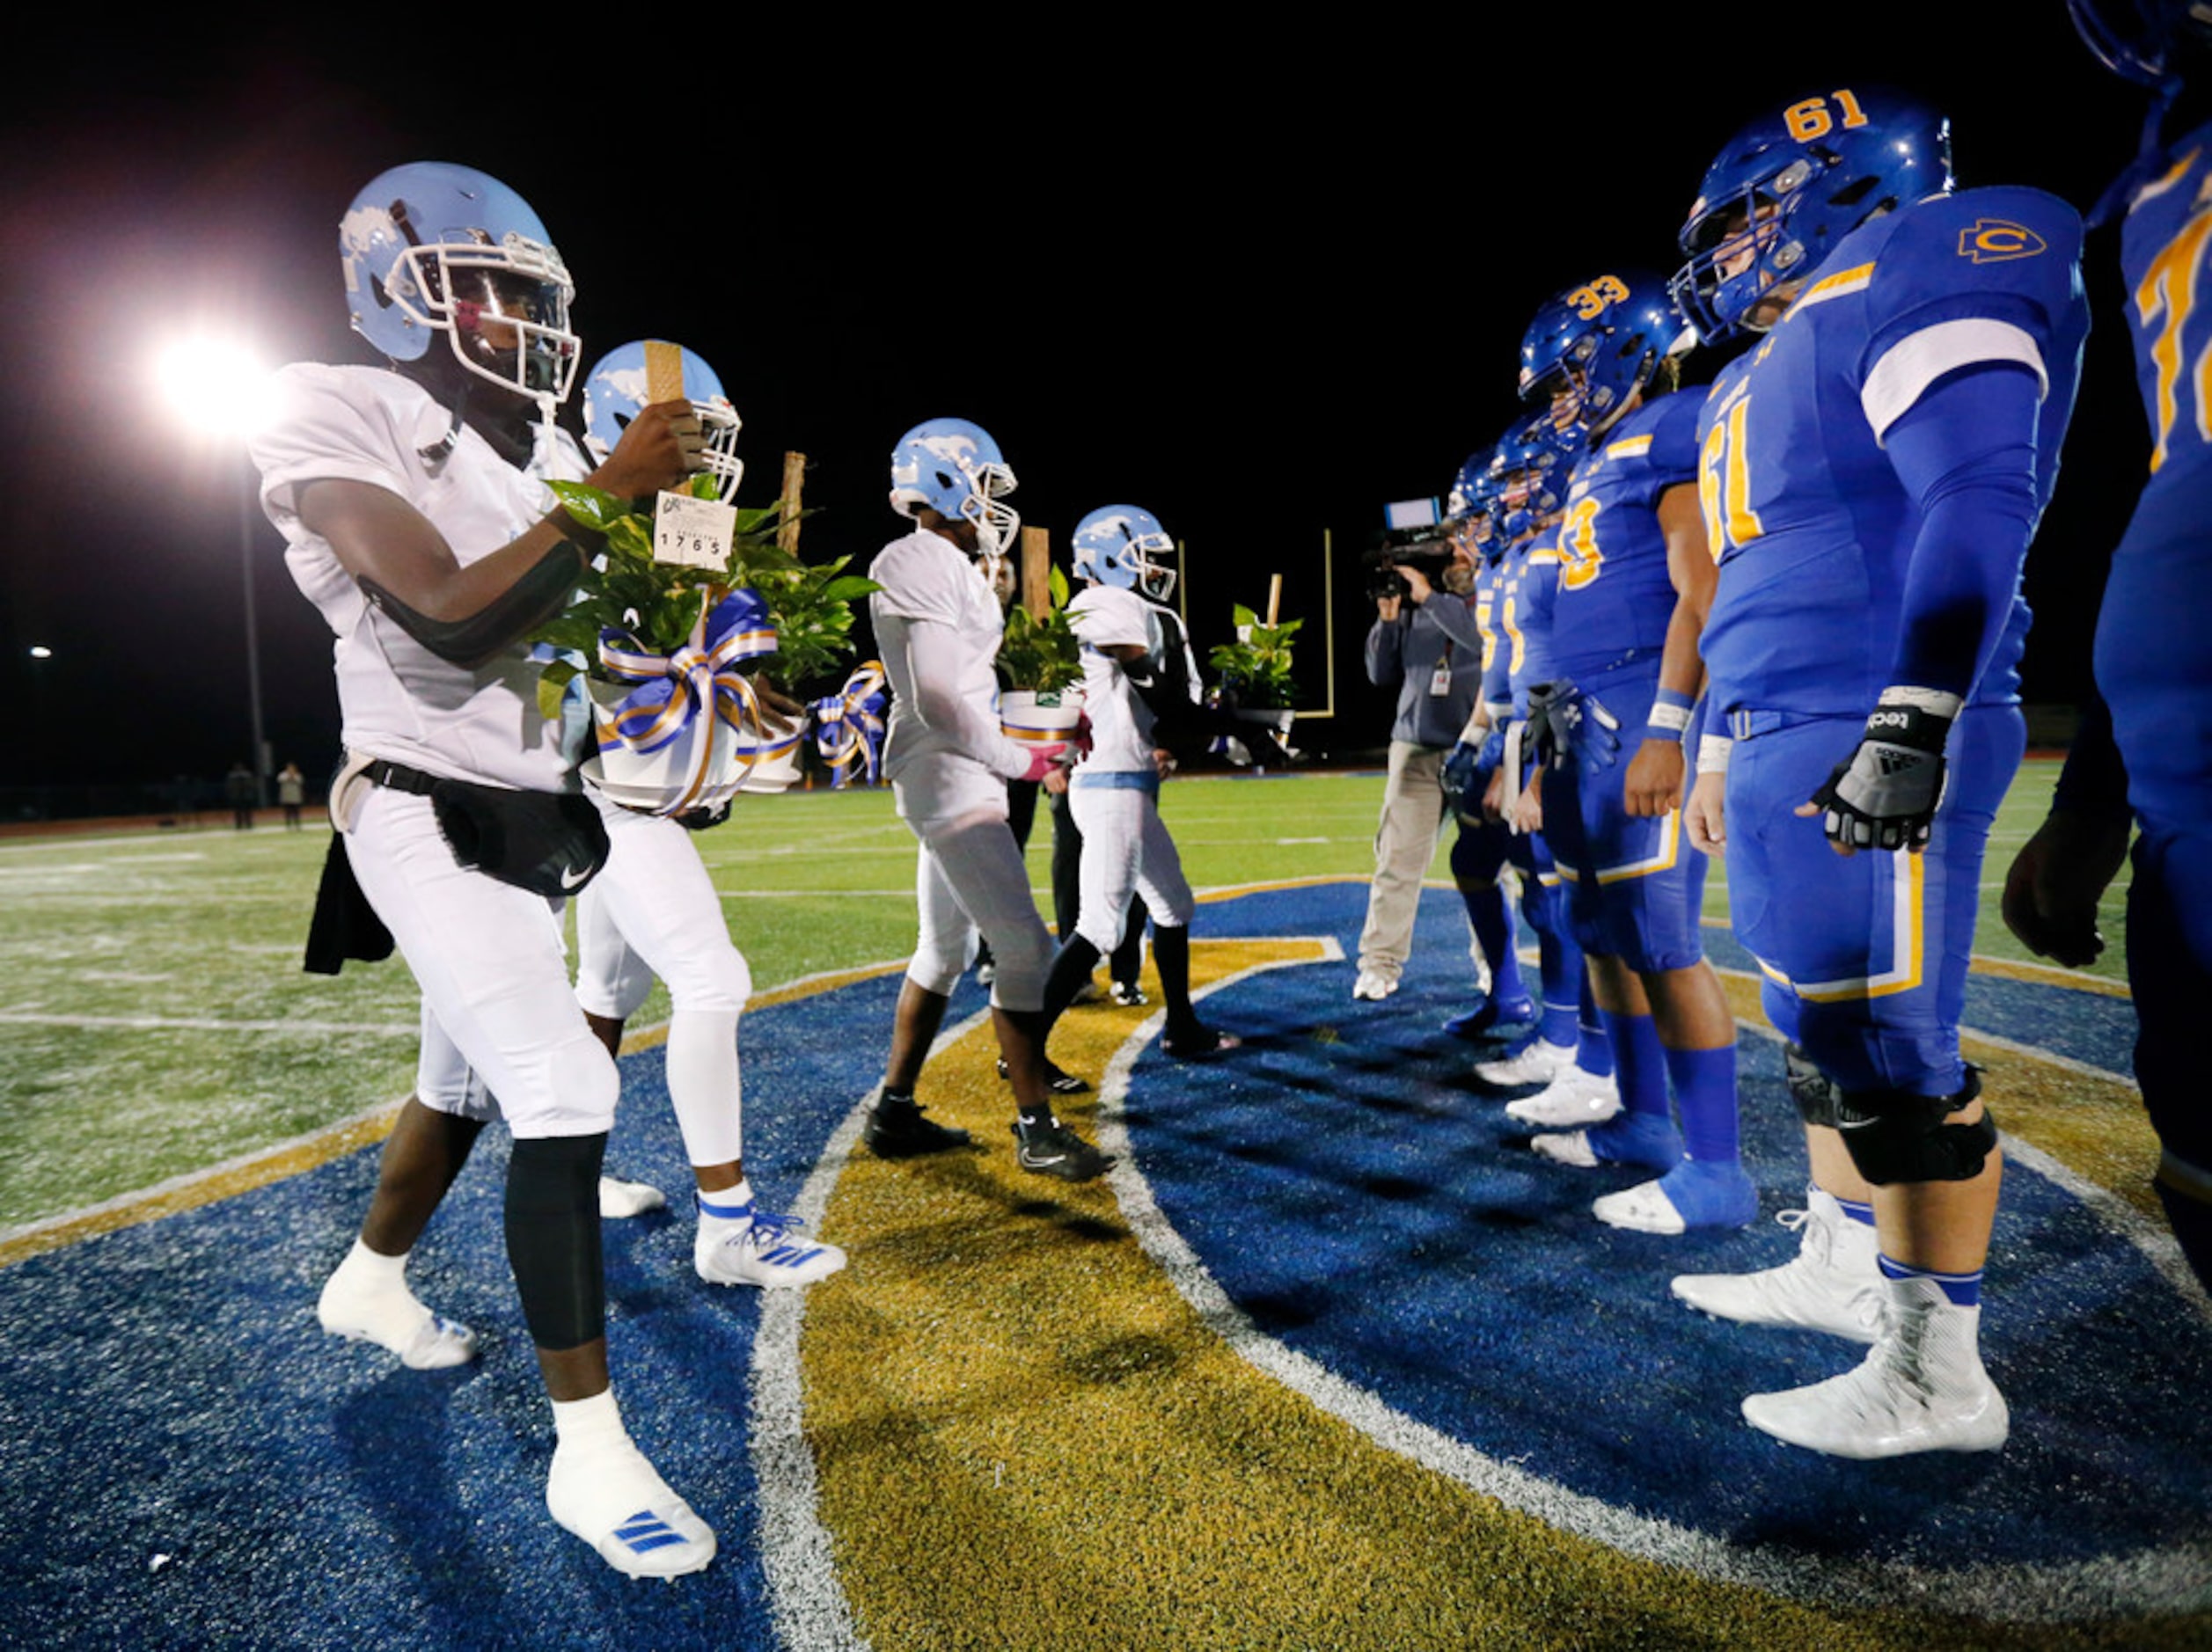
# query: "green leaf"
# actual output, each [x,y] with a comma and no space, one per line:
[594,508]
[1056,584]
[553,685]
[1240,615]
[848,590]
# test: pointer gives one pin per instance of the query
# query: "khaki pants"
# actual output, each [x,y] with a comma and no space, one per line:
[1413,815]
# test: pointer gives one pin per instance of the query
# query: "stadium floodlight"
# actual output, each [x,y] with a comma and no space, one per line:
[40,651]
[216,385]
[219,390]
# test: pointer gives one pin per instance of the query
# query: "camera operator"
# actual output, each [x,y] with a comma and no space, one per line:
[1425,639]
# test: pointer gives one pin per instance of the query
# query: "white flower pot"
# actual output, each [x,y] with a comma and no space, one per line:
[1037,720]
[701,768]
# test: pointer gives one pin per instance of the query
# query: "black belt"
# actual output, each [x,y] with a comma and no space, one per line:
[398,777]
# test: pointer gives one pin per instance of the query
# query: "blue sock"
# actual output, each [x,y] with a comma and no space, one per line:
[1639,1065]
[1642,1139]
[1494,933]
[1706,1090]
[1595,1055]
[1964,1289]
[1853,1210]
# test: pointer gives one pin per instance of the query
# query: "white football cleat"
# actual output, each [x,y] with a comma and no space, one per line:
[764,1251]
[393,1317]
[1535,1063]
[1373,986]
[1571,1147]
[620,1199]
[609,1496]
[1690,1195]
[1570,1102]
[1921,1388]
[1833,1283]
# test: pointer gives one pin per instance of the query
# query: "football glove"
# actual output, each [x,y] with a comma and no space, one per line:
[1565,722]
[1886,795]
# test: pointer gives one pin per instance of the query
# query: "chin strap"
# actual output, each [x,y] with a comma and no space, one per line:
[457,410]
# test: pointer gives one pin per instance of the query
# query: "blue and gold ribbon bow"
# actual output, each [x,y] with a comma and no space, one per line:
[848,726]
[673,688]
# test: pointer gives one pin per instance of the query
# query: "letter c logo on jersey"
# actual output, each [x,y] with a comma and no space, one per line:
[1994,240]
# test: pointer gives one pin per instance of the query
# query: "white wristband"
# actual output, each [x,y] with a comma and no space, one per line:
[1713,754]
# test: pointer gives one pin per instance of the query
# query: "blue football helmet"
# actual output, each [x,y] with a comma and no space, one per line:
[1593,347]
[615,390]
[1791,185]
[1471,507]
[1124,545]
[1531,467]
[432,248]
[956,469]
[2142,40]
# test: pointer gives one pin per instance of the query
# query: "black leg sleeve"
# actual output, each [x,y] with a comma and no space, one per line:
[1067,869]
[553,1238]
[1171,951]
[1128,961]
[1072,967]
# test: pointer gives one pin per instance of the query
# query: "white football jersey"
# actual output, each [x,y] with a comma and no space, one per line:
[946,765]
[1104,616]
[398,700]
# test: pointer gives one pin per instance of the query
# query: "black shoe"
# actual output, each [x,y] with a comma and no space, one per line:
[1058,1082]
[1195,1043]
[1051,1149]
[897,1129]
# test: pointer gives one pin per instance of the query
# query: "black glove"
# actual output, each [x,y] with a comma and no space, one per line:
[1565,722]
[1886,794]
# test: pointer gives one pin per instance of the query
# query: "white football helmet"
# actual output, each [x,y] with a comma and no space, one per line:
[429,248]
[615,390]
[956,469]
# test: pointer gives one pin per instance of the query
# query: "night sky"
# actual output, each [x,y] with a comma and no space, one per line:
[1261,289]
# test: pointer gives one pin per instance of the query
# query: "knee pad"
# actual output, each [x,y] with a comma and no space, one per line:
[937,965]
[1895,1137]
[1813,1090]
[1105,932]
[553,1238]
[1022,967]
[720,982]
[586,1087]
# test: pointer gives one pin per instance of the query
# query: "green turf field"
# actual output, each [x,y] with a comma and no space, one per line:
[156,1020]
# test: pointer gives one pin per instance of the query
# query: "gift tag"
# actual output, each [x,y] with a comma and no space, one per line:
[694,533]
[663,371]
[1441,679]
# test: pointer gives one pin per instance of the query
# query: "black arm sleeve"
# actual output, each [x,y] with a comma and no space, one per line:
[516,612]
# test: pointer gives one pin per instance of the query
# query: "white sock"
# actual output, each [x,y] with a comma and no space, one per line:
[367,1296]
[588,1423]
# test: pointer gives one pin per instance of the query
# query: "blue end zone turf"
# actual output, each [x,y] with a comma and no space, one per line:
[1361,1198]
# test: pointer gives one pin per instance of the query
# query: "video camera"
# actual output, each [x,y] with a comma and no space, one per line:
[1426,546]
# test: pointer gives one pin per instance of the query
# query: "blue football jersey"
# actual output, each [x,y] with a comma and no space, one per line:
[1615,597]
[1524,599]
[1812,529]
[2154,641]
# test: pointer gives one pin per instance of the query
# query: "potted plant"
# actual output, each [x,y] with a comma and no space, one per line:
[1041,664]
[1255,673]
[668,652]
